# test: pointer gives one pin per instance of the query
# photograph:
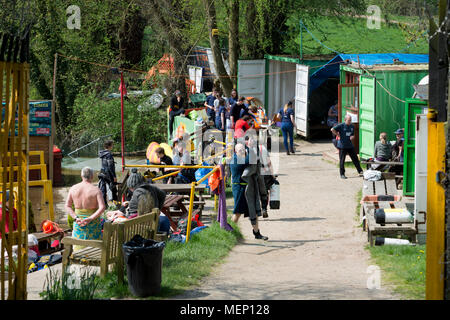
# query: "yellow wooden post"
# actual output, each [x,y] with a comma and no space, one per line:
[216,203]
[435,213]
[191,206]
[166,175]
[14,79]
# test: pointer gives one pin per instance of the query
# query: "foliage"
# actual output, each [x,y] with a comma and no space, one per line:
[96,116]
[404,267]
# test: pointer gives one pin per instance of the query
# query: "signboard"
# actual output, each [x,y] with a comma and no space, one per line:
[40,118]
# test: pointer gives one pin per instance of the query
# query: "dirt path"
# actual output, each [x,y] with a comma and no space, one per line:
[315,248]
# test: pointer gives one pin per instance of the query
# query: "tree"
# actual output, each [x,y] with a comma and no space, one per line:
[224,78]
[233,38]
[131,34]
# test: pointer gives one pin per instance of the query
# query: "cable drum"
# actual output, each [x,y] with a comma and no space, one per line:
[154,102]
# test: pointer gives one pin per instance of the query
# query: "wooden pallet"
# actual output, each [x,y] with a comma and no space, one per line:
[384,187]
[374,229]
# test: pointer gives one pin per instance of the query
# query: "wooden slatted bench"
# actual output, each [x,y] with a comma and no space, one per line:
[109,250]
[374,229]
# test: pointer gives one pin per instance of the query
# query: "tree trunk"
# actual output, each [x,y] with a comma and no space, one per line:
[224,78]
[174,35]
[131,34]
[251,47]
[233,39]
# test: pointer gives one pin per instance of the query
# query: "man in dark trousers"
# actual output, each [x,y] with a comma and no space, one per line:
[346,133]
[209,104]
[107,176]
[176,109]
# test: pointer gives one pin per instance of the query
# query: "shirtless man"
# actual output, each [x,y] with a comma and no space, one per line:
[89,205]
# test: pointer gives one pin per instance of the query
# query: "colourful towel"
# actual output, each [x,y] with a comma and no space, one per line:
[91,231]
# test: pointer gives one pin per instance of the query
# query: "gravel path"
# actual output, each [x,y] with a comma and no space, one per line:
[315,248]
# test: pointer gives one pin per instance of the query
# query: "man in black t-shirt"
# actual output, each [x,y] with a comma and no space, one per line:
[235,112]
[346,133]
[164,159]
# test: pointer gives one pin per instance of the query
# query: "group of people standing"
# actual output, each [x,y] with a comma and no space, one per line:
[251,178]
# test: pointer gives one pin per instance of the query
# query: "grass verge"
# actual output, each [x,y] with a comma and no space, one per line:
[403,267]
[184,265]
[358,198]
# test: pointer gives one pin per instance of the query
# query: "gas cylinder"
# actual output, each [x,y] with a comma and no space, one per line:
[275,196]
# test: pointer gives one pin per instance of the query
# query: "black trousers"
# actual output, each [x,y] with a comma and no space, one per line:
[351,152]
[172,115]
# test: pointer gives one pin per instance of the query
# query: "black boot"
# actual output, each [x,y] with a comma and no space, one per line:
[258,235]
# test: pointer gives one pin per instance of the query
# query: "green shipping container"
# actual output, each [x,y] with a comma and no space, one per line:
[413,107]
[382,92]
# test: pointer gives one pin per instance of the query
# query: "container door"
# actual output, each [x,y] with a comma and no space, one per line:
[366,117]
[421,155]
[413,108]
[301,99]
[251,78]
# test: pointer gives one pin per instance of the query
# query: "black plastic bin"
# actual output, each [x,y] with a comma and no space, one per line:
[143,258]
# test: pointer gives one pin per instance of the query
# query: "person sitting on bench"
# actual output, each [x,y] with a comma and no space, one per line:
[382,152]
[144,199]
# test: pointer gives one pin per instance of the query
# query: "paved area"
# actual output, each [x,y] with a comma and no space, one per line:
[315,248]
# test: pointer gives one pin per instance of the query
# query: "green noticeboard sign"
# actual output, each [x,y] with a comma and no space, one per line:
[413,107]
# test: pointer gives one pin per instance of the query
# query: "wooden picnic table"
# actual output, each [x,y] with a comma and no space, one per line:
[175,201]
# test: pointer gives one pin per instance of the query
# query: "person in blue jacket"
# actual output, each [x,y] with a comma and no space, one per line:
[209,104]
[221,115]
[286,114]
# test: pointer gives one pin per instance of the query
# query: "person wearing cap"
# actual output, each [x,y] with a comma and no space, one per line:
[7,213]
[141,189]
[144,198]
[89,205]
[397,148]
[176,109]
[346,133]
[286,114]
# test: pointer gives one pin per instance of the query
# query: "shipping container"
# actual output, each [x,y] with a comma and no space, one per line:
[279,79]
[381,95]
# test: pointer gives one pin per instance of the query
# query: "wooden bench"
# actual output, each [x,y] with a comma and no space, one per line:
[374,229]
[109,250]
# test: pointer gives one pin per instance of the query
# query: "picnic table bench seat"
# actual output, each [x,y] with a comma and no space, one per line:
[108,251]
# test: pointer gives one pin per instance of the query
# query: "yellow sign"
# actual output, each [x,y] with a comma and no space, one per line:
[215,32]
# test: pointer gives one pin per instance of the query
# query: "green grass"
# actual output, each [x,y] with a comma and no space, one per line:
[403,267]
[358,198]
[351,35]
[184,265]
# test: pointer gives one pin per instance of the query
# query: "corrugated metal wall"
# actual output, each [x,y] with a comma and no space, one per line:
[281,85]
[390,112]
[281,82]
